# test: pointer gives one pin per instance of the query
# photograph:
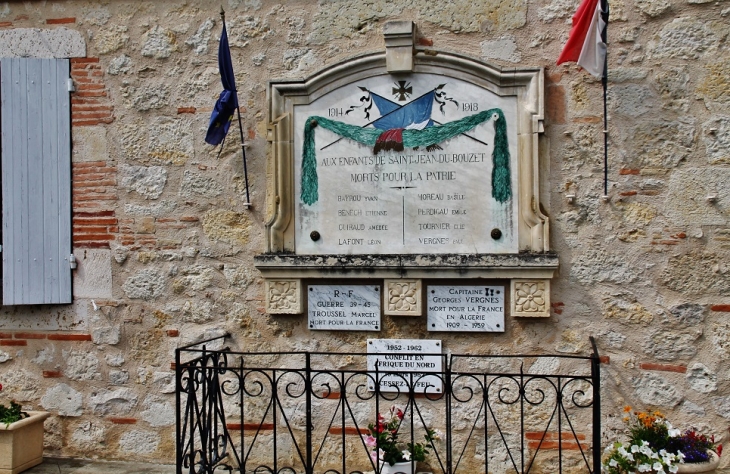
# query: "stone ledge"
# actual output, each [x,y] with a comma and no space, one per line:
[523,265]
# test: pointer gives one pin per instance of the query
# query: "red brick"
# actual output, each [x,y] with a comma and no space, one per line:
[90,93]
[604,359]
[52,374]
[553,77]
[90,229]
[625,171]
[173,333]
[122,421]
[558,307]
[95,214]
[555,104]
[681,369]
[331,395]
[69,337]
[669,242]
[91,122]
[93,245]
[6,335]
[90,86]
[5,24]
[566,445]
[90,237]
[21,17]
[186,110]
[553,435]
[89,164]
[87,183]
[189,219]
[93,108]
[628,193]
[84,60]
[679,235]
[349,430]
[172,366]
[29,335]
[251,426]
[81,116]
[60,21]
[725,308]
[13,342]
[95,197]
[425,41]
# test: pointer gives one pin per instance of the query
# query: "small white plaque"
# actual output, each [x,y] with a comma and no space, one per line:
[400,359]
[466,308]
[344,307]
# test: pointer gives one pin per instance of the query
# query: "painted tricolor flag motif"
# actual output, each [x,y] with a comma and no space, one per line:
[586,43]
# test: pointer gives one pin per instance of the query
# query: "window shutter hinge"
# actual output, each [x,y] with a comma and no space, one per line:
[72,261]
[70,85]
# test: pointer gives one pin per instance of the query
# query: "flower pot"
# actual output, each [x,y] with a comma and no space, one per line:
[709,466]
[21,443]
[397,468]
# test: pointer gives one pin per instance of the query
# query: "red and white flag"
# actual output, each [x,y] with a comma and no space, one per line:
[585,44]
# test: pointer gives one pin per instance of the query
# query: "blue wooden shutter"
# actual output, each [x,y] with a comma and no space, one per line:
[36,181]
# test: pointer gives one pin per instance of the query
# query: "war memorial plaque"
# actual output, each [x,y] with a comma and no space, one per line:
[344,307]
[416,166]
[404,362]
[465,308]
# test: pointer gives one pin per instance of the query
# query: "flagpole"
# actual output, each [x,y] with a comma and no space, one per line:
[240,130]
[604,82]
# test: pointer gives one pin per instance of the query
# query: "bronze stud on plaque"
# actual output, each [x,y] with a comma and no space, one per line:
[496,234]
[314,235]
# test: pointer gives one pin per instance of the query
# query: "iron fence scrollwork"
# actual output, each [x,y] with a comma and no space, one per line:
[308,412]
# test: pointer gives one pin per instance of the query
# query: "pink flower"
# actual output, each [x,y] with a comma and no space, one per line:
[376,456]
[370,441]
[399,414]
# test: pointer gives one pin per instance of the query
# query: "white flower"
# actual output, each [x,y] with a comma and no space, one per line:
[622,451]
[673,433]
[634,448]
[406,454]
[613,463]
[644,468]
[674,469]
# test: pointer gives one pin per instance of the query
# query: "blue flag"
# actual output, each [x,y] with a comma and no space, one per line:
[227,103]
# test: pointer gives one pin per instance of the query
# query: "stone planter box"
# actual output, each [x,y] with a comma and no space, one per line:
[21,443]
[709,466]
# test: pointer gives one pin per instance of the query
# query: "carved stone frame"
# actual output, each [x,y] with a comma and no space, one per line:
[534,261]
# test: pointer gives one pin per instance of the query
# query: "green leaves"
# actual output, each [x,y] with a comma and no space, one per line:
[12,414]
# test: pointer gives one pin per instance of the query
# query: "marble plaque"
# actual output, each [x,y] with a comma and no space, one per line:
[403,363]
[413,166]
[344,307]
[466,308]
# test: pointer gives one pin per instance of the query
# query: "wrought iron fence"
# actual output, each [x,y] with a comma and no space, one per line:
[294,412]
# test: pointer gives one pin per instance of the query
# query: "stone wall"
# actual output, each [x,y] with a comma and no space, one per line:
[165,245]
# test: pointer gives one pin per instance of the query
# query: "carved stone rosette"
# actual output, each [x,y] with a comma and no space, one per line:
[403,297]
[530,298]
[284,296]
